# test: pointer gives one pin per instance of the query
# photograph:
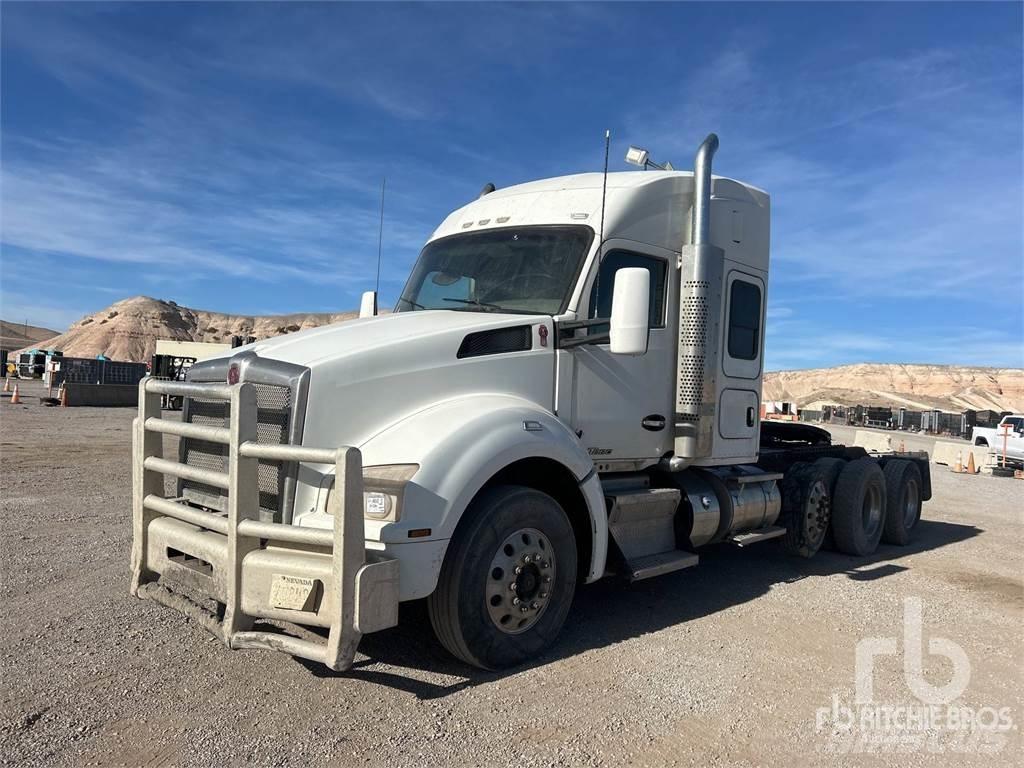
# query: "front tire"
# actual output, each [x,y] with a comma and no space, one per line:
[508,579]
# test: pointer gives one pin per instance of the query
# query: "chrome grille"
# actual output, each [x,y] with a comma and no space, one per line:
[274,410]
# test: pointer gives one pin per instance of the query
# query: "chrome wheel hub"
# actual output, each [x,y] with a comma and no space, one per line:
[910,496]
[519,581]
[817,511]
[871,511]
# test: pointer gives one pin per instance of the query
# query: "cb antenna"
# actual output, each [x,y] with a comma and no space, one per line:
[600,236]
[380,233]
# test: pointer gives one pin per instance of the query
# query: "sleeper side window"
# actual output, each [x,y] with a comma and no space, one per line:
[744,320]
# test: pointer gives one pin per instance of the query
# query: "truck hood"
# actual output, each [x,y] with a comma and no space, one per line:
[315,346]
[369,373]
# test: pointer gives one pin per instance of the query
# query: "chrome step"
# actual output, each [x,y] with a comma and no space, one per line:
[664,562]
[754,537]
[641,521]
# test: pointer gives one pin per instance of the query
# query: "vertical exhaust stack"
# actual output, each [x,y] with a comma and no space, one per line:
[700,225]
[700,303]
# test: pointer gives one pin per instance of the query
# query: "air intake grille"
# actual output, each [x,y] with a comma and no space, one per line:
[273,413]
[496,342]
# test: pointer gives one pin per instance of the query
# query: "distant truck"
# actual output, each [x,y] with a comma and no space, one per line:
[993,438]
[569,387]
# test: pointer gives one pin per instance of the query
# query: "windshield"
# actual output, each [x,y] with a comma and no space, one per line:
[530,270]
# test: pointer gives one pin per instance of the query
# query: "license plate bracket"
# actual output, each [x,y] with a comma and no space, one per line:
[292,593]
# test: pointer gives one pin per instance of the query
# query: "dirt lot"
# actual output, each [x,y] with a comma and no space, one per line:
[724,664]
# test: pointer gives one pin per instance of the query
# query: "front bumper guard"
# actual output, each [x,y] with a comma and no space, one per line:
[253,569]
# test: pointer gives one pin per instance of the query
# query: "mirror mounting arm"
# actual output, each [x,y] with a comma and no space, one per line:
[565,333]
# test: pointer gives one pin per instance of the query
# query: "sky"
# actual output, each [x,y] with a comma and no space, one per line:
[230,156]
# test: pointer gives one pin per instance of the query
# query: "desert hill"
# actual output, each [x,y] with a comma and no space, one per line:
[18,335]
[918,387]
[129,329]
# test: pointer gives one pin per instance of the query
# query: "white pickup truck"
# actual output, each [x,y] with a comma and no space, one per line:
[569,387]
[993,438]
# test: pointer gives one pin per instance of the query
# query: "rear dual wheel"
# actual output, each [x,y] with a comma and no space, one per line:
[806,509]
[903,501]
[859,507]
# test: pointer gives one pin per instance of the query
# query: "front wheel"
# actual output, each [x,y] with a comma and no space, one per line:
[508,579]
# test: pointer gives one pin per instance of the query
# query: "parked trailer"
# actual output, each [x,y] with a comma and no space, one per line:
[472,447]
[171,368]
[81,370]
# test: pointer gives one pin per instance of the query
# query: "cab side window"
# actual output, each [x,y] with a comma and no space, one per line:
[604,285]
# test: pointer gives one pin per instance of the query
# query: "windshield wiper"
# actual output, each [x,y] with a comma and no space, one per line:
[476,303]
[412,303]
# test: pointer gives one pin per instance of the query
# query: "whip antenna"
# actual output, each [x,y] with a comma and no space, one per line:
[380,233]
[600,236]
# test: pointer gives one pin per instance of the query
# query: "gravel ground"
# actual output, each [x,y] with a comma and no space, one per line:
[724,664]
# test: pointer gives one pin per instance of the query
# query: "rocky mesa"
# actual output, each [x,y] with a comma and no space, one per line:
[917,387]
[129,329]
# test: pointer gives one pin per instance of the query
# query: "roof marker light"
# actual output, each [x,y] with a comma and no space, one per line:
[637,156]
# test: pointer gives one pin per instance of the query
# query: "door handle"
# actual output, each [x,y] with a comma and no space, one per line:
[653,423]
[750,416]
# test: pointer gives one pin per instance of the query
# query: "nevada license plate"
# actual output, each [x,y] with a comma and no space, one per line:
[293,593]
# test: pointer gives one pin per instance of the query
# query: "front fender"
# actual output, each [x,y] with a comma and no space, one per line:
[459,445]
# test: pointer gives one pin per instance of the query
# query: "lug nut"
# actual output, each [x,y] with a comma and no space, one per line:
[527,558]
[517,570]
[534,605]
[512,586]
[523,609]
[545,564]
[516,601]
[543,595]
[547,579]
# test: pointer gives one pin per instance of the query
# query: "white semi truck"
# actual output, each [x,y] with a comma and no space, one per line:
[568,388]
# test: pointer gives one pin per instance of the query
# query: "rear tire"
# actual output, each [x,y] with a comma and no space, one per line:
[806,509]
[831,467]
[484,612]
[903,501]
[858,508]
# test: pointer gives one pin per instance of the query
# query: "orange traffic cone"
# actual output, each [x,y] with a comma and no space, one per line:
[971,469]
[959,462]
[15,398]
[7,383]
[63,397]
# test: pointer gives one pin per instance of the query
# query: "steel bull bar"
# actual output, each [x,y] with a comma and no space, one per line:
[248,568]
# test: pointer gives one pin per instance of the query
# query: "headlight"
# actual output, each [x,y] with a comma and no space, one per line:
[383,490]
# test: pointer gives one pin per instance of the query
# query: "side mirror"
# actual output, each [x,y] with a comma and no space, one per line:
[630,311]
[368,304]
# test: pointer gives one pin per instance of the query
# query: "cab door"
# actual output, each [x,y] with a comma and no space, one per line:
[622,405]
[739,388]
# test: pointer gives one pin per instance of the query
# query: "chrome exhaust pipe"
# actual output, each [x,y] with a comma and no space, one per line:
[700,226]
